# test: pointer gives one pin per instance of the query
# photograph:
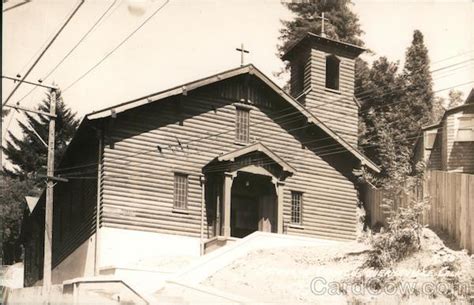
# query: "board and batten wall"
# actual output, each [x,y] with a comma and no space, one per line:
[137,186]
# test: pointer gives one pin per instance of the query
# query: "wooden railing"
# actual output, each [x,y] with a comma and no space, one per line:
[451,205]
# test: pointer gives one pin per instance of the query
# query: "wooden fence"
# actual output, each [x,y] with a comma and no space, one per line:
[451,205]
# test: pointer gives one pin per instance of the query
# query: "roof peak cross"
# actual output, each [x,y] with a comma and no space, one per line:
[242,51]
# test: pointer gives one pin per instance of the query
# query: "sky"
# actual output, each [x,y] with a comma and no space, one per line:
[190,39]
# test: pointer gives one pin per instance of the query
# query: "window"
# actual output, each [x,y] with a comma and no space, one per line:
[296,207]
[242,125]
[466,129]
[332,72]
[430,137]
[180,191]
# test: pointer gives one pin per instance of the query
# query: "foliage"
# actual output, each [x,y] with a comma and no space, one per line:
[455,98]
[343,24]
[12,204]
[395,106]
[27,153]
[401,239]
[438,110]
[417,103]
[382,137]
[404,227]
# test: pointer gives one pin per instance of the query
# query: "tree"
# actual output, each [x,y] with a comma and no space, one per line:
[418,99]
[28,154]
[383,139]
[12,205]
[455,98]
[394,109]
[343,24]
[438,109]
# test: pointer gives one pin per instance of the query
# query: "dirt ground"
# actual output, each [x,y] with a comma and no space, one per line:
[320,274]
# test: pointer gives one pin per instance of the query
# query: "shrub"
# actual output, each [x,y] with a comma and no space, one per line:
[401,238]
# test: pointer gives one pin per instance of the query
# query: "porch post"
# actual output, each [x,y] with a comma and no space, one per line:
[226,206]
[280,185]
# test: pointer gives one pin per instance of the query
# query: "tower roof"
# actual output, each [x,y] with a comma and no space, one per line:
[312,39]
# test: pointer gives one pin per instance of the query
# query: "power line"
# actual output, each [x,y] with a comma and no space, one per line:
[118,46]
[454,56]
[258,123]
[363,94]
[287,114]
[73,48]
[44,51]
[311,141]
[221,167]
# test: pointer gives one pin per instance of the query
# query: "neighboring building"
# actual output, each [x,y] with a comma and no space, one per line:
[222,156]
[449,144]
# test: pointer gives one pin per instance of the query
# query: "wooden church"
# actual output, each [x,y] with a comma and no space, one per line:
[184,170]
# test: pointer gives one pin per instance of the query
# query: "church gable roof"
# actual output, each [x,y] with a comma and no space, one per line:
[248,69]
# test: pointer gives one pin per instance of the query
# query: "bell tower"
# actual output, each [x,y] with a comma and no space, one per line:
[322,79]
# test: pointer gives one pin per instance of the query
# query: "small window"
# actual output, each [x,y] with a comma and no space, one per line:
[332,72]
[180,191]
[296,207]
[242,125]
[430,137]
[465,130]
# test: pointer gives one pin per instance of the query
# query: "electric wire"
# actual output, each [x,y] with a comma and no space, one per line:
[117,46]
[267,138]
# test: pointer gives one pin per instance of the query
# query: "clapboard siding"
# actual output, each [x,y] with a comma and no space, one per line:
[138,180]
[75,202]
[336,109]
[74,207]
[460,155]
[433,156]
[447,153]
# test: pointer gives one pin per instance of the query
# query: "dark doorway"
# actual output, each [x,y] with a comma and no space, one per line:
[253,205]
[244,215]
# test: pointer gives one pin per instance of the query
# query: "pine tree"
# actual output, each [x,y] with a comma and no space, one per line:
[343,24]
[396,108]
[418,100]
[28,154]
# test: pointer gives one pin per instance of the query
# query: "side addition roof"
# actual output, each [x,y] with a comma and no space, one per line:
[248,69]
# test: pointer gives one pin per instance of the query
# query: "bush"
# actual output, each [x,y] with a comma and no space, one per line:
[401,238]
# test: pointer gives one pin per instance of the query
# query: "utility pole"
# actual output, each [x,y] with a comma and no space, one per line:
[50,178]
[48,211]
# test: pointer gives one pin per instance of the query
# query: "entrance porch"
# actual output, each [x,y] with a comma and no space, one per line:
[244,192]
